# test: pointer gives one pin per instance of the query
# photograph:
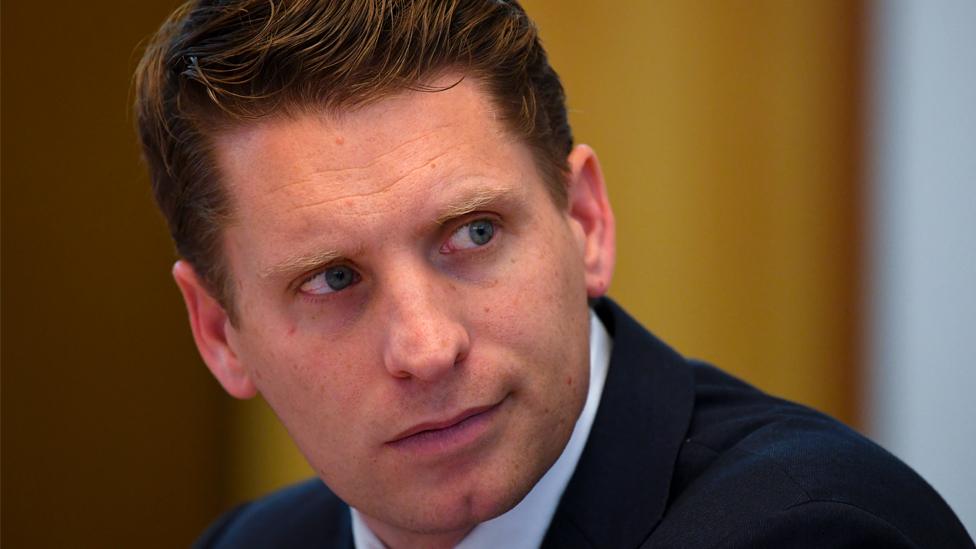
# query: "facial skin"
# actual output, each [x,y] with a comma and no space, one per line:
[402,267]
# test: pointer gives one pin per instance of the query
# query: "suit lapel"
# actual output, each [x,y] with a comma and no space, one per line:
[619,490]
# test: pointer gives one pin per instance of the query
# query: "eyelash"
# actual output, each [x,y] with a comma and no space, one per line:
[495,230]
[320,272]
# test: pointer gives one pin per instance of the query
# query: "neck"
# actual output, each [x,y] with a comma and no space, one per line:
[399,538]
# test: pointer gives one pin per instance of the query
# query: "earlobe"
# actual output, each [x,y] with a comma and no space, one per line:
[210,326]
[589,206]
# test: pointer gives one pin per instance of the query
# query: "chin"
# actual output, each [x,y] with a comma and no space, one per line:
[461,511]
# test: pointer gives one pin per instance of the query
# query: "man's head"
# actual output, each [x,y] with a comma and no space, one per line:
[410,268]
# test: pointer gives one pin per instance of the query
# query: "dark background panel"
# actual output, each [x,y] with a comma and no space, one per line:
[110,423]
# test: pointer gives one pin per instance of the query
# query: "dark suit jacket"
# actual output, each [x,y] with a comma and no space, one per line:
[681,455]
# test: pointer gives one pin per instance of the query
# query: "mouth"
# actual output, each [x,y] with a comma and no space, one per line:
[433,437]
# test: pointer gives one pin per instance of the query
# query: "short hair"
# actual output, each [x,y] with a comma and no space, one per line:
[216,64]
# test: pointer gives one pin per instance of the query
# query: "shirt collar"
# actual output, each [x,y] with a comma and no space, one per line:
[525,525]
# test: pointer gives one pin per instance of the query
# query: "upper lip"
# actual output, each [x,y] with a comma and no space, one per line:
[441,424]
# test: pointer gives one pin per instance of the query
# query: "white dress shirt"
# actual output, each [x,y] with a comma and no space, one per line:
[524,526]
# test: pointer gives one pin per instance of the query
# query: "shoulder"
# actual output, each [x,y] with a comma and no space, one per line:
[755,470]
[303,515]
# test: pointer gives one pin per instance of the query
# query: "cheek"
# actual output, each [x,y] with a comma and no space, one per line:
[538,311]
[308,384]
[321,400]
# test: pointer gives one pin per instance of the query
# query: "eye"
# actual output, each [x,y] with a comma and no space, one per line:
[471,235]
[330,280]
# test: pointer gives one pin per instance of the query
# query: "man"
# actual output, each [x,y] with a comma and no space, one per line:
[387,232]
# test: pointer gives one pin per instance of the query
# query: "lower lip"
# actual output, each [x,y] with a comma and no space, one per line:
[449,439]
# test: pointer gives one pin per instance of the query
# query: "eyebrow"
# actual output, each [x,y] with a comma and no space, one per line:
[470,203]
[300,263]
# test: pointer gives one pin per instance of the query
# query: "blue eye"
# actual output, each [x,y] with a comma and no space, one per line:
[330,280]
[471,235]
[481,231]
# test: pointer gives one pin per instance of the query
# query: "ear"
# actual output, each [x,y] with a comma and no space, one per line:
[590,208]
[210,325]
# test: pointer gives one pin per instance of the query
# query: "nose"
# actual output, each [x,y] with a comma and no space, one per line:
[425,336]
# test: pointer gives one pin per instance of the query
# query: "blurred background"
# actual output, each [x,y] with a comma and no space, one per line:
[795,188]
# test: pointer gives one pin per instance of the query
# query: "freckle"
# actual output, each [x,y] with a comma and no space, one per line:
[340,140]
[433,165]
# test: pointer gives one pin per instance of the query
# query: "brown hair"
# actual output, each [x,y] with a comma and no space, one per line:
[217,63]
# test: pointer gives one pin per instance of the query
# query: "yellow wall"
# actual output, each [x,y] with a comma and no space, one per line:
[728,132]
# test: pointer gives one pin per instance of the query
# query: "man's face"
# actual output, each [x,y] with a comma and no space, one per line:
[412,304]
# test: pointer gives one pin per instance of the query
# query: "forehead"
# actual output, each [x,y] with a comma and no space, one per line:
[345,144]
[319,175]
